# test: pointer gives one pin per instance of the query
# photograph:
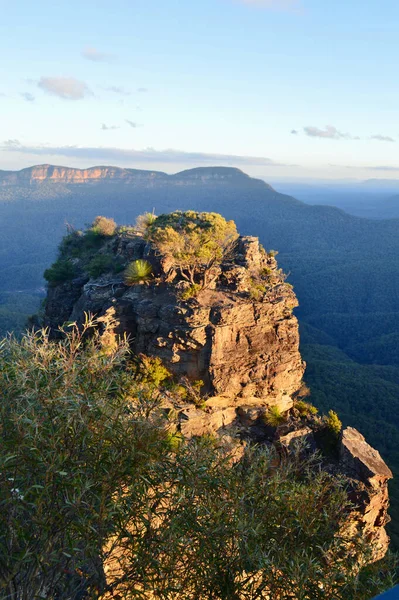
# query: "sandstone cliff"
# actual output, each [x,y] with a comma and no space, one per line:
[39,174]
[241,340]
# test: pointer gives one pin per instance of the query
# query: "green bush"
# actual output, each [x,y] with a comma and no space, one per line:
[333,423]
[152,371]
[194,242]
[90,474]
[190,292]
[274,416]
[305,408]
[257,291]
[61,271]
[102,263]
[138,271]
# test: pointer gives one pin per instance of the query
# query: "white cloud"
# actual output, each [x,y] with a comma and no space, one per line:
[105,127]
[28,97]
[382,138]
[131,123]
[329,132]
[95,55]
[148,155]
[67,88]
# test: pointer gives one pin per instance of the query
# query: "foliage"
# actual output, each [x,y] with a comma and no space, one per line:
[152,371]
[61,271]
[103,226]
[138,271]
[333,423]
[91,479]
[274,416]
[257,291]
[305,408]
[99,264]
[190,292]
[194,242]
[69,443]
[144,221]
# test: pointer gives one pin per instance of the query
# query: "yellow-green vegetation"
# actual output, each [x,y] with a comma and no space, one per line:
[144,221]
[305,409]
[103,226]
[152,371]
[274,416]
[138,271]
[257,290]
[90,472]
[190,292]
[194,242]
[333,423]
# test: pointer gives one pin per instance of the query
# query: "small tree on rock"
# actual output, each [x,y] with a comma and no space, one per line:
[194,242]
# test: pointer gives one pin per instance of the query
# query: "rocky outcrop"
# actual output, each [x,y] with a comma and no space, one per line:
[244,350]
[241,339]
[369,477]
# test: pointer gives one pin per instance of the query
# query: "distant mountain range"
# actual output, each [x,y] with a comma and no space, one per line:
[104,174]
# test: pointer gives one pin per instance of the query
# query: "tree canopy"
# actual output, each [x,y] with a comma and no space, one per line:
[193,241]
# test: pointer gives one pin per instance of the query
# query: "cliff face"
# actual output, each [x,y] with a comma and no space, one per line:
[107,174]
[244,350]
[244,346]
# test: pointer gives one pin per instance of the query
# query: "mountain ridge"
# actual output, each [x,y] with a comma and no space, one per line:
[104,173]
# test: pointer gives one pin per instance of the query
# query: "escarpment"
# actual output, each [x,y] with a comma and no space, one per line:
[237,336]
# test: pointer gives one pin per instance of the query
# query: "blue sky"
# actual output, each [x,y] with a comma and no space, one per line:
[280,88]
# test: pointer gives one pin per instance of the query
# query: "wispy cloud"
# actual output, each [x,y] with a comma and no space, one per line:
[67,88]
[95,55]
[142,90]
[294,132]
[117,90]
[290,5]
[382,138]
[384,168]
[28,97]
[105,127]
[148,155]
[131,123]
[329,132]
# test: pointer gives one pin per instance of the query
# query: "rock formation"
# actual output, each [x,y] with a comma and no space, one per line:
[240,338]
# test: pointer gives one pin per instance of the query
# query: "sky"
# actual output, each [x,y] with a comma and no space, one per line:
[283,89]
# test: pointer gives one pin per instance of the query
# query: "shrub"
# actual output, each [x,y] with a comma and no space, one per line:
[274,416]
[272,253]
[139,271]
[333,423]
[103,226]
[144,221]
[89,478]
[173,441]
[305,408]
[61,271]
[152,371]
[194,242]
[257,291]
[102,263]
[190,292]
